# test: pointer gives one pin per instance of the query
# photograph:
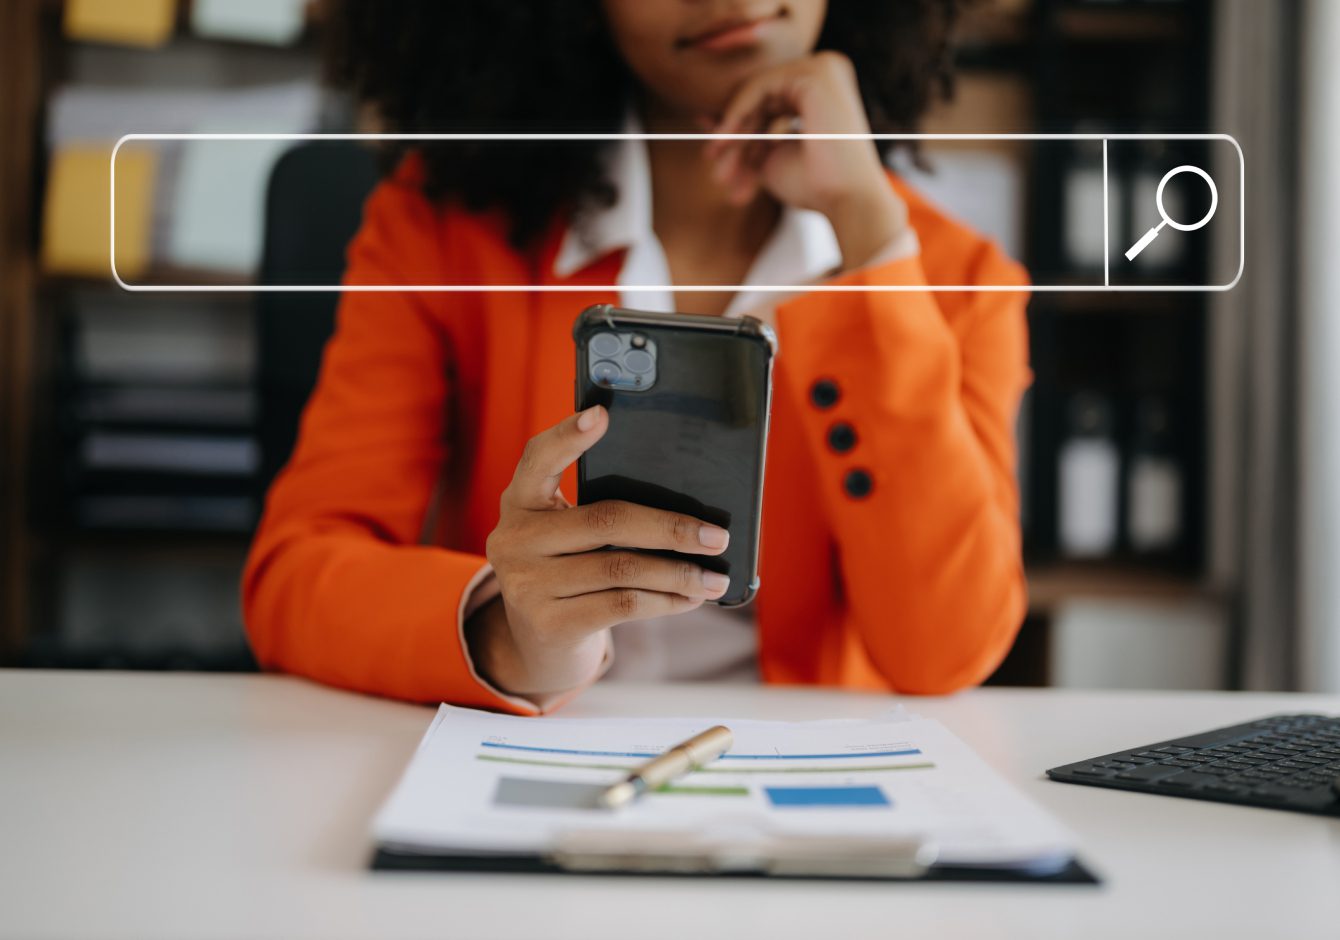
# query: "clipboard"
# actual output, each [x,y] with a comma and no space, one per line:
[898,867]
[897,800]
[689,854]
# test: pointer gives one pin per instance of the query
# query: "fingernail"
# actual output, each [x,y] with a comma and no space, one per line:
[712,537]
[587,419]
[715,584]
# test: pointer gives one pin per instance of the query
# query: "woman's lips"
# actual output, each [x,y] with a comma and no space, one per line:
[730,36]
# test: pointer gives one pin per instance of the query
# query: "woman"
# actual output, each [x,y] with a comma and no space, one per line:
[420,545]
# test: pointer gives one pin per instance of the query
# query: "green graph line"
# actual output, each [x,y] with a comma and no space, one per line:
[538,762]
[671,789]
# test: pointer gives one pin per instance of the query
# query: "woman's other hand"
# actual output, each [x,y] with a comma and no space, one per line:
[843,179]
[562,588]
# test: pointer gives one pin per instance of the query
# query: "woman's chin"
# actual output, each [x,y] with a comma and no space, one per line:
[709,89]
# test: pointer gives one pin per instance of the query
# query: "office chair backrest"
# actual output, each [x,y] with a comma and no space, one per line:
[314,205]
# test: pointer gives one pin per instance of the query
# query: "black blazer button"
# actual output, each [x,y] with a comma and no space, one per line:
[858,484]
[825,393]
[841,437]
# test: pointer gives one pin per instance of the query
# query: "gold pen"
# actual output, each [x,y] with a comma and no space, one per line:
[683,758]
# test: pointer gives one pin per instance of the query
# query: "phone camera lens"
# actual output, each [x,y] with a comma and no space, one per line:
[639,361]
[606,372]
[605,345]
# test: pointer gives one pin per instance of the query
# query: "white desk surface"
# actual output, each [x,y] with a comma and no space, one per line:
[188,806]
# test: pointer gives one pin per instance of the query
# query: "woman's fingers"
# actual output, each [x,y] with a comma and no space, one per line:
[738,164]
[588,613]
[589,572]
[548,454]
[736,178]
[627,525]
[745,113]
[738,169]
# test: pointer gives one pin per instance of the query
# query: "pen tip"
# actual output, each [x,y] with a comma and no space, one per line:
[621,794]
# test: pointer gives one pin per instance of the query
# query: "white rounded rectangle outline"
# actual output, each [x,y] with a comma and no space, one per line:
[765,288]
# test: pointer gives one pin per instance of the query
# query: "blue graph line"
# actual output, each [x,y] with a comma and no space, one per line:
[650,754]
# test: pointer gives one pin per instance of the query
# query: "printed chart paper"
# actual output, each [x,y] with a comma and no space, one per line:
[492,784]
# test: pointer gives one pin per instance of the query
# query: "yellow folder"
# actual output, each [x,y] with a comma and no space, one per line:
[144,23]
[76,231]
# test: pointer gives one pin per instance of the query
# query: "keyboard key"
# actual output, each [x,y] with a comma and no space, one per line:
[1148,772]
[1293,783]
[1271,793]
[1093,771]
[1188,779]
[1170,749]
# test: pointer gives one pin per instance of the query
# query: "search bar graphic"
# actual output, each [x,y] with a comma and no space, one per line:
[1122,278]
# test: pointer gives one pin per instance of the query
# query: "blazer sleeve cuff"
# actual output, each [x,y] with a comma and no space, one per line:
[480,590]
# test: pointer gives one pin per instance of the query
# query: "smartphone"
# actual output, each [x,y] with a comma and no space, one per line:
[689,399]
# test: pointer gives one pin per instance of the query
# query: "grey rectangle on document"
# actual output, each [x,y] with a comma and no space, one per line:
[547,794]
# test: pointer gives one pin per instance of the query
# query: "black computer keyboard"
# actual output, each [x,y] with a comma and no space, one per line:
[1287,762]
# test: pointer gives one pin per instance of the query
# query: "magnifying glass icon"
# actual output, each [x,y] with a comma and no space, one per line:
[1153,233]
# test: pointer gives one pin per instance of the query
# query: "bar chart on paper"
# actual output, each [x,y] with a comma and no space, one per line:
[743,770]
[486,784]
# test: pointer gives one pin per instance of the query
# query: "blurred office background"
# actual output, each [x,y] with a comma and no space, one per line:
[1180,452]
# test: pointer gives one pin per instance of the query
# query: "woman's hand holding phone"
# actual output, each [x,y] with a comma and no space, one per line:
[562,588]
[843,179]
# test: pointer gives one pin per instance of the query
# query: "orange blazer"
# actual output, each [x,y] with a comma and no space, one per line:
[373,535]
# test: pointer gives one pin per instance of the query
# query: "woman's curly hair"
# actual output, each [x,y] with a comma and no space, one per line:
[532,66]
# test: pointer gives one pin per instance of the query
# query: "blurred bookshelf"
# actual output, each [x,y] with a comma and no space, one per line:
[1113,431]
[132,418]
[135,416]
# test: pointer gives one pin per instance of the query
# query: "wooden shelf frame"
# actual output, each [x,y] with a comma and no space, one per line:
[20,108]
[1052,584]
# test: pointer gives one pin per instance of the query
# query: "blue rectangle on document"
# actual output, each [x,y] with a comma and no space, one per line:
[826,796]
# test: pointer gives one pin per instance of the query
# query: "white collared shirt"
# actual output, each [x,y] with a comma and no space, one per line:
[712,642]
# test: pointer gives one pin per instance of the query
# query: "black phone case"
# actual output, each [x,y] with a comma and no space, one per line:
[695,442]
